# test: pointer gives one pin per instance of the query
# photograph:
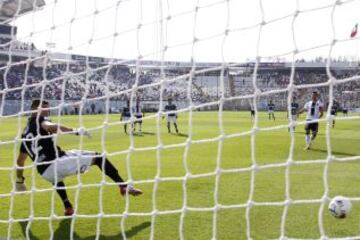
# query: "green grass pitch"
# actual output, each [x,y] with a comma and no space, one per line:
[306,181]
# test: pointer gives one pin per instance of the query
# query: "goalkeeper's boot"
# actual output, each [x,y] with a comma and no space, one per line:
[130,190]
[69,211]
[308,146]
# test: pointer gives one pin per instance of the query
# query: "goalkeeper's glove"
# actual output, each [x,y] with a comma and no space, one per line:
[83,132]
[20,185]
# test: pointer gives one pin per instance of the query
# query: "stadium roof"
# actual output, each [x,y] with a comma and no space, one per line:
[10,8]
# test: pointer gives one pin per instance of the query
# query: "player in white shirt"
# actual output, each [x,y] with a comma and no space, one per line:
[315,111]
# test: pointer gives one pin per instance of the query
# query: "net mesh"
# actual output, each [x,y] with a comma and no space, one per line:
[73,82]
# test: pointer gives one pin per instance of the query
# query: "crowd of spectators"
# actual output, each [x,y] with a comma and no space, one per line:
[348,93]
[78,81]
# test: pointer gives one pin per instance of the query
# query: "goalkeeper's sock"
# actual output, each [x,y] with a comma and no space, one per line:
[67,204]
[168,127]
[307,139]
[108,169]
[63,195]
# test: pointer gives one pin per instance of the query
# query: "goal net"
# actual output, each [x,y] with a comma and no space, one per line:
[212,136]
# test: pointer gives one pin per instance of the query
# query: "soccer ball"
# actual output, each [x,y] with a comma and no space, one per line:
[340,207]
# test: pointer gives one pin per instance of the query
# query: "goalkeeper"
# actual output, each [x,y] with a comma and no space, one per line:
[54,164]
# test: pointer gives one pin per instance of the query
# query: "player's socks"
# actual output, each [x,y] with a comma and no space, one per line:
[113,173]
[108,169]
[63,195]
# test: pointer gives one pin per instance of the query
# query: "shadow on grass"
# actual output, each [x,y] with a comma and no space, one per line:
[23,228]
[302,132]
[64,229]
[149,133]
[333,152]
[142,134]
[180,134]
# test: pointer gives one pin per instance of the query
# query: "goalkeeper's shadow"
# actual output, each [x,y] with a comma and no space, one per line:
[23,228]
[64,230]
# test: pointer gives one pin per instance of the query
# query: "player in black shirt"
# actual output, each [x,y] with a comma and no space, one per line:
[252,110]
[333,111]
[54,164]
[294,111]
[171,117]
[138,115]
[126,115]
[271,109]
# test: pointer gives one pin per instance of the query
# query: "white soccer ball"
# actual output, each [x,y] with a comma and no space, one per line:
[340,207]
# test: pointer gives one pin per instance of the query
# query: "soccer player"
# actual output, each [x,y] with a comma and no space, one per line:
[138,115]
[294,110]
[171,117]
[125,115]
[252,114]
[315,111]
[345,110]
[333,111]
[54,164]
[252,111]
[271,109]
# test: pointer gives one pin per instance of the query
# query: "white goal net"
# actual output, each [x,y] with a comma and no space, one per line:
[178,96]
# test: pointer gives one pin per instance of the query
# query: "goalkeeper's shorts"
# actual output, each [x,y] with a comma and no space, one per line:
[72,163]
[171,119]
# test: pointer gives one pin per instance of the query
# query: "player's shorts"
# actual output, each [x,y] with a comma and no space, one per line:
[252,112]
[271,111]
[312,126]
[171,119]
[294,117]
[138,118]
[345,111]
[72,163]
[125,119]
[333,113]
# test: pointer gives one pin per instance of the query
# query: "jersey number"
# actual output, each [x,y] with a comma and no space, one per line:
[33,147]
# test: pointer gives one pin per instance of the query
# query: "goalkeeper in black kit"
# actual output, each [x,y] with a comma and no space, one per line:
[54,164]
